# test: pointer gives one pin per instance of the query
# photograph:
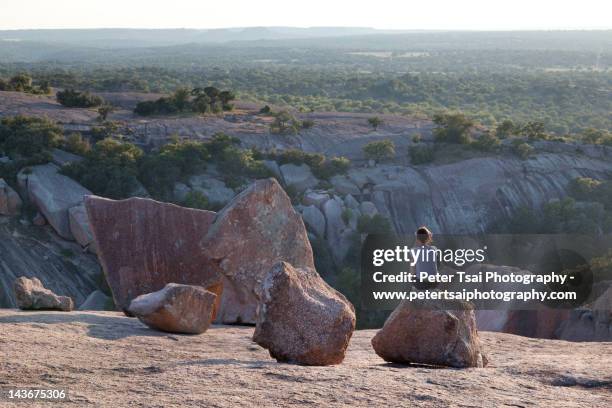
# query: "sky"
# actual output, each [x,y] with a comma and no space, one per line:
[383,14]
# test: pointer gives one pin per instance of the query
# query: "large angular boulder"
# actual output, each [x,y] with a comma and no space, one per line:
[426,334]
[10,202]
[298,177]
[176,309]
[257,229]
[301,319]
[53,194]
[143,245]
[30,294]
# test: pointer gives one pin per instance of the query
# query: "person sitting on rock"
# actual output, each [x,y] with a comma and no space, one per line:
[426,261]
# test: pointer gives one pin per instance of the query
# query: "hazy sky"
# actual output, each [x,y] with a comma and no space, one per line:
[400,14]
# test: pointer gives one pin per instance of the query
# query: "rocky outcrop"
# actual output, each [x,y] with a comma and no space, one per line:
[298,177]
[257,229]
[176,309]
[53,194]
[38,252]
[425,334]
[469,195]
[338,233]
[301,319]
[30,294]
[97,301]
[144,245]
[10,202]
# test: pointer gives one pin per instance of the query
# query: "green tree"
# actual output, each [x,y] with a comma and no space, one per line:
[453,128]
[505,129]
[104,111]
[379,150]
[28,136]
[375,122]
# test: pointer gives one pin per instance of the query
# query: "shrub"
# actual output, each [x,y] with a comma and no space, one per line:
[285,124]
[376,224]
[196,199]
[453,128]
[421,154]
[75,143]
[75,99]
[524,150]
[28,136]
[583,188]
[380,150]
[110,169]
[487,142]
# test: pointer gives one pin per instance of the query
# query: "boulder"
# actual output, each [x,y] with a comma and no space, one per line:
[10,202]
[217,193]
[53,194]
[351,202]
[257,229]
[301,319]
[299,177]
[315,198]
[30,294]
[96,301]
[176,309]
[274,168]
[343,185]
[180,191]
[63,158]
[314,219]
[80,228]
[143,245]
[368,208]
[426,334]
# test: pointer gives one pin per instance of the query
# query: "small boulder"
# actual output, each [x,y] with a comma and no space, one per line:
[181,191]
[96,301]
[30,294]
[314,219]
[426,334]
[343,186]
[315,198]
[351,202]
[10,202]
[301,319]
[176,309]
[299,177]
[368,208]
[215,190]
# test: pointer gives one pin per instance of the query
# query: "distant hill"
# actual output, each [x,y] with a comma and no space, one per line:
[123,37]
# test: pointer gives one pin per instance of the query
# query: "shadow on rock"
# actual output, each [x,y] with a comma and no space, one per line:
[99,327]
